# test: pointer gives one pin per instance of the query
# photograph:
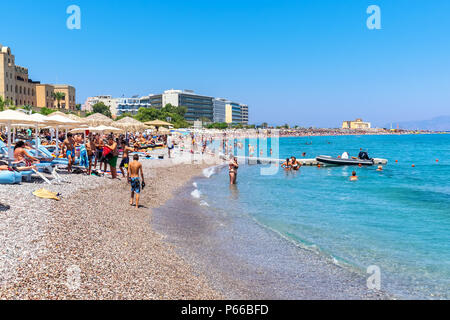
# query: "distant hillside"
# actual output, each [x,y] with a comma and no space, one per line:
[436,124]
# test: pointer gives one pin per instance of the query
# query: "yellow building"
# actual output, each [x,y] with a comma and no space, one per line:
[17,87]
[357,124]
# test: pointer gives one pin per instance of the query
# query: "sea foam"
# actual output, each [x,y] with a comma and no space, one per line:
[196,194]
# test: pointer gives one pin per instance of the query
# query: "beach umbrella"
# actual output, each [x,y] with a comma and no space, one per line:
[64,123]
[128,123]
[58,113]
[98,119]
[10,117]
[76,118]
[107,129]
[157,123]
[83,129]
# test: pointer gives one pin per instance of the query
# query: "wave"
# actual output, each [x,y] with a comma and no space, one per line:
[196,194]
[203,203]
[209,172]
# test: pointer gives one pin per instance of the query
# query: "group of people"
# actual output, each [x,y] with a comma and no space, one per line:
[94,151]
[291,164]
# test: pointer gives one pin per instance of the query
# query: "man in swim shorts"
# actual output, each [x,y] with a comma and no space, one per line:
[134,170]
[112,144]
[69,146]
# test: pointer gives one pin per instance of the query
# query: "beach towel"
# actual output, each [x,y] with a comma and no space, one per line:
[45,194]
[84,159]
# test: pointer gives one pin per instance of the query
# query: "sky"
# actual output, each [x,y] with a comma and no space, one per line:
[303,62]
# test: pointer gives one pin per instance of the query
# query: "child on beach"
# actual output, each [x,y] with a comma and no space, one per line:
[134,169]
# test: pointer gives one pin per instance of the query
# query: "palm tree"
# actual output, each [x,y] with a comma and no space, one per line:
[28,108]
[58,96]
[2,103]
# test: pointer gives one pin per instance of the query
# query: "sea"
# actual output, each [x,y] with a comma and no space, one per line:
[395,221]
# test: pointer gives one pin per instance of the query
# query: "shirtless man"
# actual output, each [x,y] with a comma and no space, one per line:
[126,157]
[69,146]
[233,168]
[21,155]
[134,169]
[354,177]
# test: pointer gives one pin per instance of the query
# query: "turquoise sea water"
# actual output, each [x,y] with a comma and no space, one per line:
[398,219]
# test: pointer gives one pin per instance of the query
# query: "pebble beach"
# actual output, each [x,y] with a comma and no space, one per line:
[92,244]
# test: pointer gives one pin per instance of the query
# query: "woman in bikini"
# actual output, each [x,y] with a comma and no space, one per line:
[295,164]
[233,167]
[286,165]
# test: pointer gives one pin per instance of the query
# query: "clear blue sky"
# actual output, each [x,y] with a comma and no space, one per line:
[304,62]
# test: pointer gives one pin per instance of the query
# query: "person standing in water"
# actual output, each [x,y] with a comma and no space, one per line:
[233,168]
[286,165]
[134,170]
[354,177]
[295,164]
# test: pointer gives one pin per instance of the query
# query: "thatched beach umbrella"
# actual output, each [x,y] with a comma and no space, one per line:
[58,113]
[158,123]
[98,119]
[128,123]
[76,118]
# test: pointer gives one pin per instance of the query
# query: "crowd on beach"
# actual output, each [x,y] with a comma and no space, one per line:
[94,153]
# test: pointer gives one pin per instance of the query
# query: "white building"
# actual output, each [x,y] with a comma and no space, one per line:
[91,101]
[118,106]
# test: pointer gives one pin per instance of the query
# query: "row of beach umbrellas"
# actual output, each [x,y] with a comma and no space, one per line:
[94,123]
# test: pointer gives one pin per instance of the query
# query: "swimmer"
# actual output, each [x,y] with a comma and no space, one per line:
[295,164]
[354,177]
[380,168]
[286,165]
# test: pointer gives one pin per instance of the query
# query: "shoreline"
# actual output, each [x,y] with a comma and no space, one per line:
[124,253]
[242,259]
[111,245]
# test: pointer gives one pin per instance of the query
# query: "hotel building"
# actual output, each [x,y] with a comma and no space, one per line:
[16,86]
[219,107]
[236,113]
[198,106]
[118,106]
[129,105]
